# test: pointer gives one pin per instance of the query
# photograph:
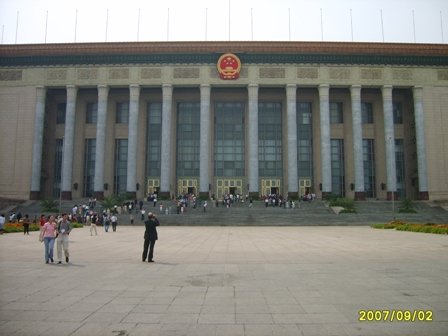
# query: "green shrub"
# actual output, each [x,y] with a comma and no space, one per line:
[407,206]
[49,205]
[424,228]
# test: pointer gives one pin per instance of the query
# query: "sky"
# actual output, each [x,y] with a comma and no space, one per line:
[63,21]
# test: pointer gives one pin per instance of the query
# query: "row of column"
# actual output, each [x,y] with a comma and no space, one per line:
[205,126]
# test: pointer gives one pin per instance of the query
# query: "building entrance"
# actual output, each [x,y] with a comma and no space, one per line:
[228,186]
[270,187]
[187,186]
[153,186]
[304,186]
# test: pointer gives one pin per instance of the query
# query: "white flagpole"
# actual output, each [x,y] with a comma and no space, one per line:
[413,25]
[3,31]
[382,24]
[206,22]
[251,24]
[46,27]
[107,22]
[229,20]
[441,26]
[321,25]
[138,26]
[168,26]
[289,23]
[76,23]
[351,22]
[17,25]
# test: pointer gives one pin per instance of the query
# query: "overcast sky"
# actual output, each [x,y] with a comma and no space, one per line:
[55,21]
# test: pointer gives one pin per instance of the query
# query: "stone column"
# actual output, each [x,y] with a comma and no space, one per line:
[324,109]
[355,91]
[204,150]
[131,187]
[291,112]
[420,139]
[165,164]
[98,184]
[253,140]
[69,140]
[391,175]
[37,142]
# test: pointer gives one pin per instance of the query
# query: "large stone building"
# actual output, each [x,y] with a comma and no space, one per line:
[360,120]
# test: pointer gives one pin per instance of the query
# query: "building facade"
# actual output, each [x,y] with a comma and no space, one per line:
[360,120]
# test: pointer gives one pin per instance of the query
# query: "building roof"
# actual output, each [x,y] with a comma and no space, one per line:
[209,52]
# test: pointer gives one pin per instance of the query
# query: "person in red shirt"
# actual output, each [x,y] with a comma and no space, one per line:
[42,220]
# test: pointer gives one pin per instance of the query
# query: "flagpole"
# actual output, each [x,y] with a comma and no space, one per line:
[351,22]
[251,24]
[382,24]
[289,23]
[413,24]
[168,26]
[107,22]
[17,25]
[46,27]
[321,25]
[229,20]
[441,26]
[206,22]
[138,26]
[76,23]
[3,31]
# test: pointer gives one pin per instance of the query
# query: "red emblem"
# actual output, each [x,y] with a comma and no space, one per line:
[229,66]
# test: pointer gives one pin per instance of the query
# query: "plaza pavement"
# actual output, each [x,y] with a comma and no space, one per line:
[225,281]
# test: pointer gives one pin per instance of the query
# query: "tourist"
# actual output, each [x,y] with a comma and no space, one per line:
[47,235]
[64,229]
[26,225]
[150,237]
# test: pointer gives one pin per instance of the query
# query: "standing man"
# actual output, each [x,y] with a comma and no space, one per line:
[150,237]
[64,229]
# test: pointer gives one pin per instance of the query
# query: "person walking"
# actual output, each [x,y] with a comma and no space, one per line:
[64,229]
[150,237]
[114,221]
[26,225]
[47,235]
[93,222]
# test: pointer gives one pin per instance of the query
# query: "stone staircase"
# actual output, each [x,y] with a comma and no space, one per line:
[305,213]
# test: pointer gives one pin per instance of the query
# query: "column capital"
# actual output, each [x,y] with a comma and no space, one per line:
[205,89]
[356,88]
[324,89]
[291,89]
[418,92]
[205,86]
[41,91]
[134,91]
[386,89]
[252,85]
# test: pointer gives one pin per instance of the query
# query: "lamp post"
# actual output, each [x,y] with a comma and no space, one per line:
[60,182]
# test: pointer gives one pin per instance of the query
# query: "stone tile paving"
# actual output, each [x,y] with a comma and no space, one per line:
[226,281]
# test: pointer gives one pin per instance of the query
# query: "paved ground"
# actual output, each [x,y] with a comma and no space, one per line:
[226,281]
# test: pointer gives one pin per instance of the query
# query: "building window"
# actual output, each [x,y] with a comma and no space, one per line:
[229,139]
[91,113]
[398,113]
[122,113]
[60,113]
[367,113]
[304,140]
[188,139]
[154,139]
[368,150]
[121,166]
[270,160]
[400,168]
[89,166]
[57,167]
[336,113]
[337,167]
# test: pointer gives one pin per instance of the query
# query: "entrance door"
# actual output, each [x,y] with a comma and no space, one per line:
[228,186]
[304,186]
[269,187]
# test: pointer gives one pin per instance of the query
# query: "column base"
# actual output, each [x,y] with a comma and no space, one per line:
[360,196]
[293,195]
[66,195]
[326,194]
[164,195]
[204,195]
[254,195]
[131,195]
[35,195]
[389,196]
[423,196]
[99,195]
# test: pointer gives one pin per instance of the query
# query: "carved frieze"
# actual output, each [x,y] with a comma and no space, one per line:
[186,73]
[371,74]
[272,72]
[86,74]
[149,73]
[442,74]
[118,73]
[339,73]
[10,75]
[57,74]
[310,73]
[402,74]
